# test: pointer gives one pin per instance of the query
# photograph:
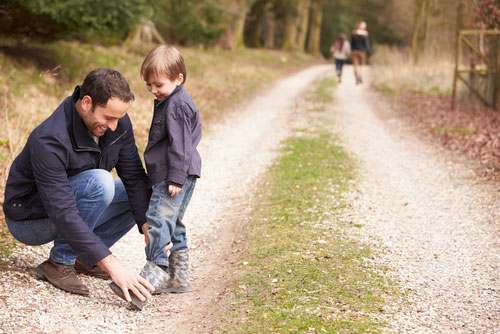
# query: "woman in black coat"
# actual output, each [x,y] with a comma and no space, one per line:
[360,46]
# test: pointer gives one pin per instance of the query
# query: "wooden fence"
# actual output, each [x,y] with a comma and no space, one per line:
[478,65]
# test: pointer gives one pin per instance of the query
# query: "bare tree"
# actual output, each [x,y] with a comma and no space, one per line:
[313,42]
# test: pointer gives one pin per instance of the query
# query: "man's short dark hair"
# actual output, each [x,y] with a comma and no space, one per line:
[104,83]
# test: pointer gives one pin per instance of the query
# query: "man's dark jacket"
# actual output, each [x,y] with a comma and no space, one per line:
[175,132]
[61,147]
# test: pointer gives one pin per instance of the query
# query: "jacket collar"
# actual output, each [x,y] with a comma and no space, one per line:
[175,91]
[82,139]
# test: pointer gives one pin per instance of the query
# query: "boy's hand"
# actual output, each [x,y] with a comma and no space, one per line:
[145,229]
[173,190]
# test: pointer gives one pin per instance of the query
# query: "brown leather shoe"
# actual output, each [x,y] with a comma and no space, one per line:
[94,271]
[61,276]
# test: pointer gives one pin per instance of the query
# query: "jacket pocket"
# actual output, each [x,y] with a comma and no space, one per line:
[158,128]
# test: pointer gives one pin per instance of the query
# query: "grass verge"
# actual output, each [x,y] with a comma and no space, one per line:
[303,271]
[394,73]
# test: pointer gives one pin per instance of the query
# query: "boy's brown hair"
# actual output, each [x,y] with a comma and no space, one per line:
[163,61]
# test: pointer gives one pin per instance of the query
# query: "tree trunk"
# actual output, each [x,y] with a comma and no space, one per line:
[239,29]
[144,33]
[233,37]
[269,26]
[419,31]
[313,42]
[291,23]
[259,15]
[303,23]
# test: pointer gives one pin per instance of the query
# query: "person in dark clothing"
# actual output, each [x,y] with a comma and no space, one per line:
[360,50]
[60,187]
[173,165]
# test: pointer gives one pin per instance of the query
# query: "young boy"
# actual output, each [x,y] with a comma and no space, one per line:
[173,165]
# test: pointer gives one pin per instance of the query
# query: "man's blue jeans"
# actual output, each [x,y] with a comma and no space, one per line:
[103,205]
[164,219]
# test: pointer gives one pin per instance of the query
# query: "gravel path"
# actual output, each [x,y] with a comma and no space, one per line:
[234,152]
[437,223]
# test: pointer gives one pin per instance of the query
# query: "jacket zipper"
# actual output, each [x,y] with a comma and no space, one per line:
[107,147]
[101,153]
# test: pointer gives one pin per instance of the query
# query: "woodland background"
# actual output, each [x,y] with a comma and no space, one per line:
[428,26]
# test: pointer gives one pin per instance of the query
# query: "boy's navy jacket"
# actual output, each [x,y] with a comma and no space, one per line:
[175,132]
[60,147]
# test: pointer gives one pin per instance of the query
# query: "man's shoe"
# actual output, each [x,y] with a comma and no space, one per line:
[61,276]
[94,271]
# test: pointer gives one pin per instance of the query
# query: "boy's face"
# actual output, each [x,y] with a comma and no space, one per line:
[161,88]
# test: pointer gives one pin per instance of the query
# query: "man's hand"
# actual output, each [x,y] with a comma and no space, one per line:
[126,279]
[173,190]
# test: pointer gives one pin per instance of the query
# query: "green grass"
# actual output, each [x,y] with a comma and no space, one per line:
[303,272]
[458,130]
[7,244]
[395,74]
[324,90]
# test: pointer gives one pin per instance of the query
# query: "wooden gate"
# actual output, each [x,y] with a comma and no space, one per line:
[478,65]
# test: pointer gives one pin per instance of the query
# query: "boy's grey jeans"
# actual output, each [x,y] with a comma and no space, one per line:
[164,219]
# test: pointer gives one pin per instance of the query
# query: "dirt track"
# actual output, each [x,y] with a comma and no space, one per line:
[436,222]
[234,152]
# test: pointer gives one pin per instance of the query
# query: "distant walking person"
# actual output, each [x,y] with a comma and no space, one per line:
[340,49]
[360,46]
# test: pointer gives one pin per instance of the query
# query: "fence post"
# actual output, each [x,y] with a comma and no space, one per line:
[497,88]
[457,58]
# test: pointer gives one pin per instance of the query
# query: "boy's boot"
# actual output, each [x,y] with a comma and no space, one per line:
[153,274]
[178,271]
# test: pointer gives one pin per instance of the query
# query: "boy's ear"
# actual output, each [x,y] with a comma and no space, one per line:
[180,79]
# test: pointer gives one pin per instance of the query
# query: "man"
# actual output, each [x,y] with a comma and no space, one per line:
[60,188]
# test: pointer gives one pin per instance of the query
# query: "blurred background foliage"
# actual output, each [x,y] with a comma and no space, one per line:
[427,26]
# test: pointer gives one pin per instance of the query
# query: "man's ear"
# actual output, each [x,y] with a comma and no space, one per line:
[86,103]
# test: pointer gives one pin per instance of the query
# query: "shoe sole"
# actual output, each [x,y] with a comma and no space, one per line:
[78,271]
[118,291]
[41,275]
[171,290]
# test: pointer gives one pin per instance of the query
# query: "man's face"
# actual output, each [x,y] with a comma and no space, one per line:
[99,119]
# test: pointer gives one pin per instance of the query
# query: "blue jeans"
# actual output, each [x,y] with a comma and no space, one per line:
[164,219]
[103,205]
[339,63]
